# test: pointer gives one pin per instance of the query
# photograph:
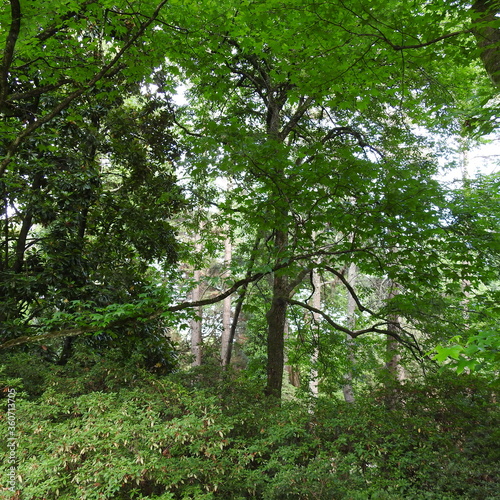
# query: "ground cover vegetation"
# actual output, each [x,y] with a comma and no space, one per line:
[263,289]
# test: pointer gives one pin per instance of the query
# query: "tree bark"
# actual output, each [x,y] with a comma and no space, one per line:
[196,323]
[25,228]
[488,37]
[293,372]
[276,324]
[226,310]
[239,303]
[347,389]
[394,372]
[316,303]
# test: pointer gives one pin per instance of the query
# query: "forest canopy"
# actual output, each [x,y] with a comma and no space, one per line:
[254,188]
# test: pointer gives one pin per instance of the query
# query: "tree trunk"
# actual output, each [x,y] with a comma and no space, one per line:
[316,303]
[67,351]
[196,324]
[239,303]
[394,372]
[394,369]
[347,389]
[293,372]
[276,321]
[226,309]
[488,37]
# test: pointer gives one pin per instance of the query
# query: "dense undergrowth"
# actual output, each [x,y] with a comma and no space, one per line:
[96,429]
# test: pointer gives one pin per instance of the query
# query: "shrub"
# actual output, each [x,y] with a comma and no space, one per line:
[105,432]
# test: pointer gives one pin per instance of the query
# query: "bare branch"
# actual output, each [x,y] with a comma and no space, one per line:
[357,333]
[350,289]
[337,326]
[299,113]
[71,332]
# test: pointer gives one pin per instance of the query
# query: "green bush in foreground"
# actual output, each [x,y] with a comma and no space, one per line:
[101,433]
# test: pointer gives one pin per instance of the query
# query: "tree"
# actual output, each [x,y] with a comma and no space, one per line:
[318,132]
[474,211]
[86,203]
[314,112]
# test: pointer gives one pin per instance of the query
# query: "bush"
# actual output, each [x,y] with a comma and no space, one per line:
[105,432]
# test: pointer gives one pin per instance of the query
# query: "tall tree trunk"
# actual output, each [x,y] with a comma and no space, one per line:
[66,352]
[316,303]
[293,373]
[394,372]
[239,303]
[25,229]
[394,369]
[276,321]
[196,323]
[226,311]
[347,389]
[393,356]
[488,36]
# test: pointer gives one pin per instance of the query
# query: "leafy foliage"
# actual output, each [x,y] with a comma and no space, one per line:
[327,122]
[103,429]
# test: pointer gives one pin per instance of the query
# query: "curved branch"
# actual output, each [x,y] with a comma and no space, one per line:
[337,326]
[357,333]
[350,289]
[299,113]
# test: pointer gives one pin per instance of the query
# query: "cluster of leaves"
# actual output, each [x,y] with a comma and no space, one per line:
[108,430]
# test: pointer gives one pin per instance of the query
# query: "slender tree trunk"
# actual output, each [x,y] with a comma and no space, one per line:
[393,367]
[67,351]
[293,373]
[465,283]
[393,356]
[394,371]
[25,229]
[347,389]
[196,323]
[239,303]
[226,311]
[316,303]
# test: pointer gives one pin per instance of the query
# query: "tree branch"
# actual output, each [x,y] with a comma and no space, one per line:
[350,289]
[357,333]
[337,326]
[430,42]
[299,113]
[71,332]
